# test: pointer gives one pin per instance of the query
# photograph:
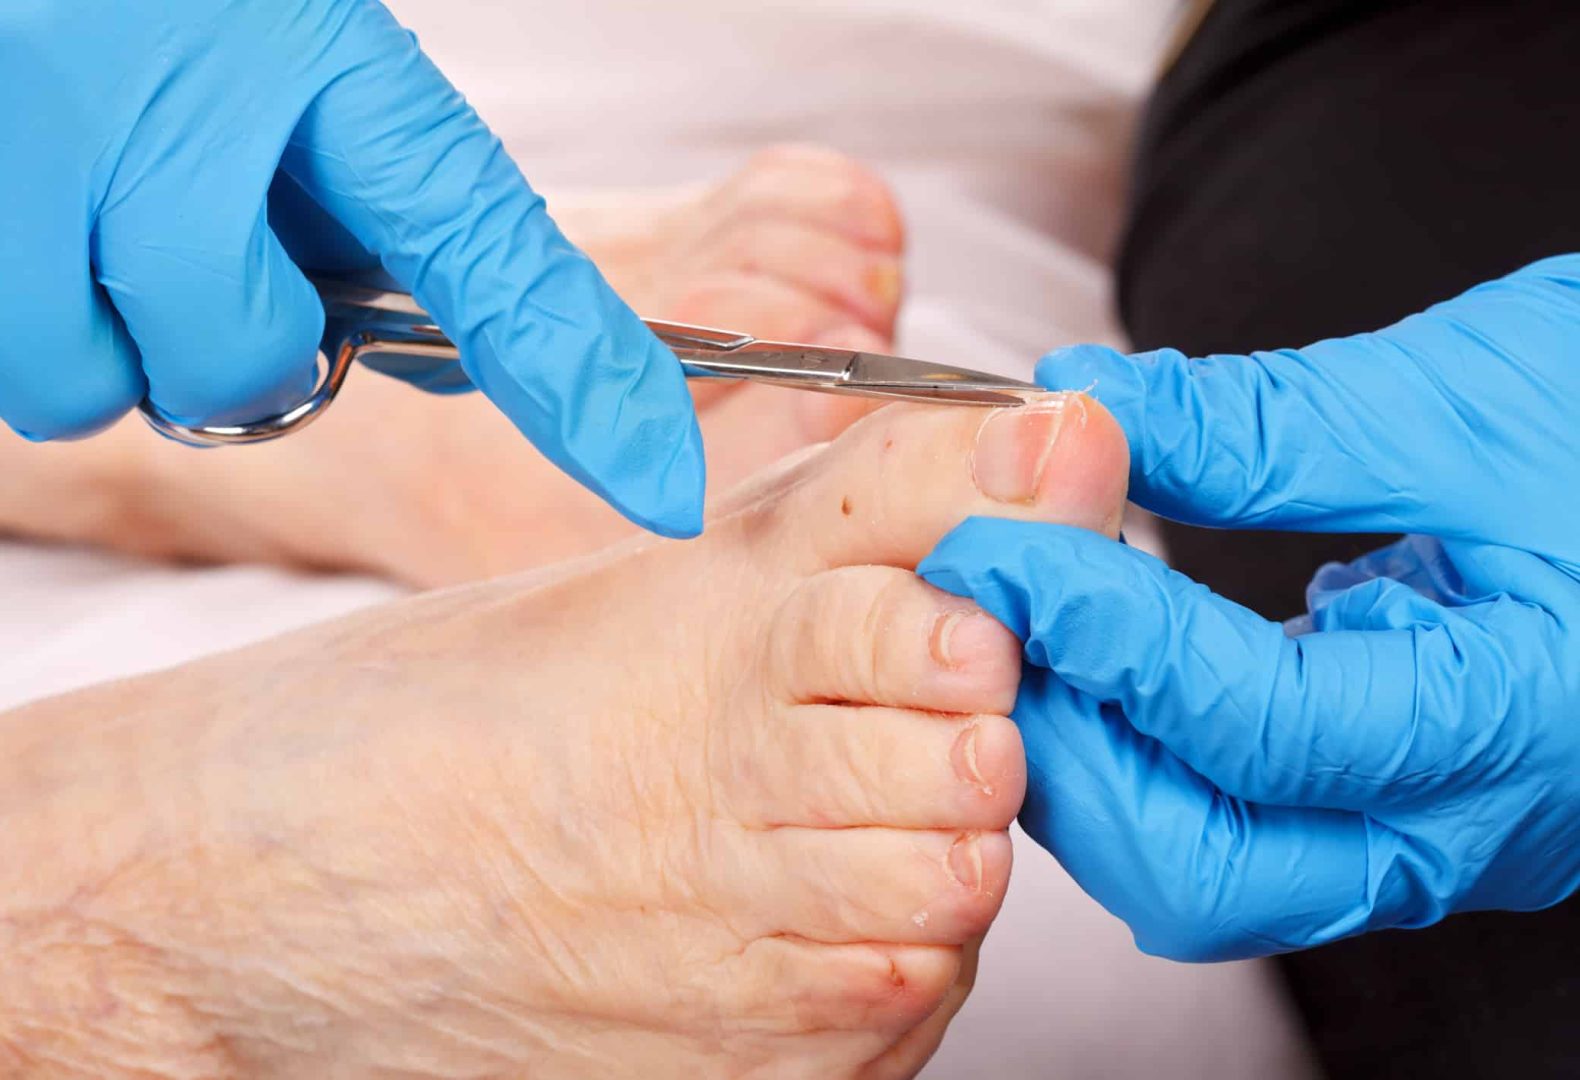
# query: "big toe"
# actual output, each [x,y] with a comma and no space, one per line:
[890,488]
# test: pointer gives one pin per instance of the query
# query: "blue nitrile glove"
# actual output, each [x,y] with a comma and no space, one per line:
[1231,790]
[136,159]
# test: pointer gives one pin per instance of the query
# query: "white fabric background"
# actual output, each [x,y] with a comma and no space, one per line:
[1002,124]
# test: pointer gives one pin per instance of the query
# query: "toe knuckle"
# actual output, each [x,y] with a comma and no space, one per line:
[810,624]
[899,991]
[813,602]
[744,240]
[764,180]
[705,298]
[895,592]
[793,155]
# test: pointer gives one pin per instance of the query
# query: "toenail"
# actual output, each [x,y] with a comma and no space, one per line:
[960,638]
[1012,450]
[964,757]
[965,861]
[884,283]
[964,638]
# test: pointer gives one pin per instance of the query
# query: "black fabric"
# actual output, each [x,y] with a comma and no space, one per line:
[1311,168]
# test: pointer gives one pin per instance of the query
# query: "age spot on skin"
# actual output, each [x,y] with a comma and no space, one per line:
[844,506]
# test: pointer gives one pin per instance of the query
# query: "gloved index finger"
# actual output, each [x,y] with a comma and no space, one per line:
[392,151]
[1454,422]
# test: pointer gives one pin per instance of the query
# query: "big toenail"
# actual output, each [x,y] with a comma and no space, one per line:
[964,756]
[965,861]
[1013,448]
[960,638]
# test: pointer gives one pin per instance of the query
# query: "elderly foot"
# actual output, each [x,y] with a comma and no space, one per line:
[733,807]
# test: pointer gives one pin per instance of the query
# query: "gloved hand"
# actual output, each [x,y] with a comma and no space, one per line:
[136,162]
[1230,789]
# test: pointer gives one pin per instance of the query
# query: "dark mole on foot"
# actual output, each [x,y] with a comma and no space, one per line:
[844,506]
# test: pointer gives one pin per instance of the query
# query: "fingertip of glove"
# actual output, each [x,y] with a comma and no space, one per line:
[64,409]
[1080,368]
[668,498]
[677,522]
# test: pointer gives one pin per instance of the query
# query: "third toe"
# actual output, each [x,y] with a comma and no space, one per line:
[841,767]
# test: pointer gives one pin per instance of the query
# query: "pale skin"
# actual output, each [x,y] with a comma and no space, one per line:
[800,243]
[725,808]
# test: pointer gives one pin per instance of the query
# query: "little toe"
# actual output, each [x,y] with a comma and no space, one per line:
[890,488]
[852,885]
[880,636]
[906,1057]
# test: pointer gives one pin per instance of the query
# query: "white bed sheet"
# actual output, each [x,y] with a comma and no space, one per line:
[1002,123]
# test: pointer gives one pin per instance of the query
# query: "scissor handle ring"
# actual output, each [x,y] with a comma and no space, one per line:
[270,427]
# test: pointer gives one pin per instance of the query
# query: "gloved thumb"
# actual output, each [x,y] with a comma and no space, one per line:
[1347,720]
[1267,440]
[1430,425]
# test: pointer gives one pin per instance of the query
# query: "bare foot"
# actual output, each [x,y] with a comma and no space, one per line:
[729,808]
[799,244]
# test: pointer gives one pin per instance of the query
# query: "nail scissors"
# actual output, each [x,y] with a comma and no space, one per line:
[390,329]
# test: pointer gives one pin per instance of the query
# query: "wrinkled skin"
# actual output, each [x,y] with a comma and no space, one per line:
[727,808]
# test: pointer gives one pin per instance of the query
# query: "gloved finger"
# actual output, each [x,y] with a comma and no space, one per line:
[1315,438]
[67,366]
[1489,572]
[323,246]
[1415,561]
[1503,590]
[1378,604]
[1347,720]
[227,327]
[392,151]
[314,240]
[1196,875]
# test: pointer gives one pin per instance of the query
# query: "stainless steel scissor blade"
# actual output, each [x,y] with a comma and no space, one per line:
[390,330]
[722,354]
